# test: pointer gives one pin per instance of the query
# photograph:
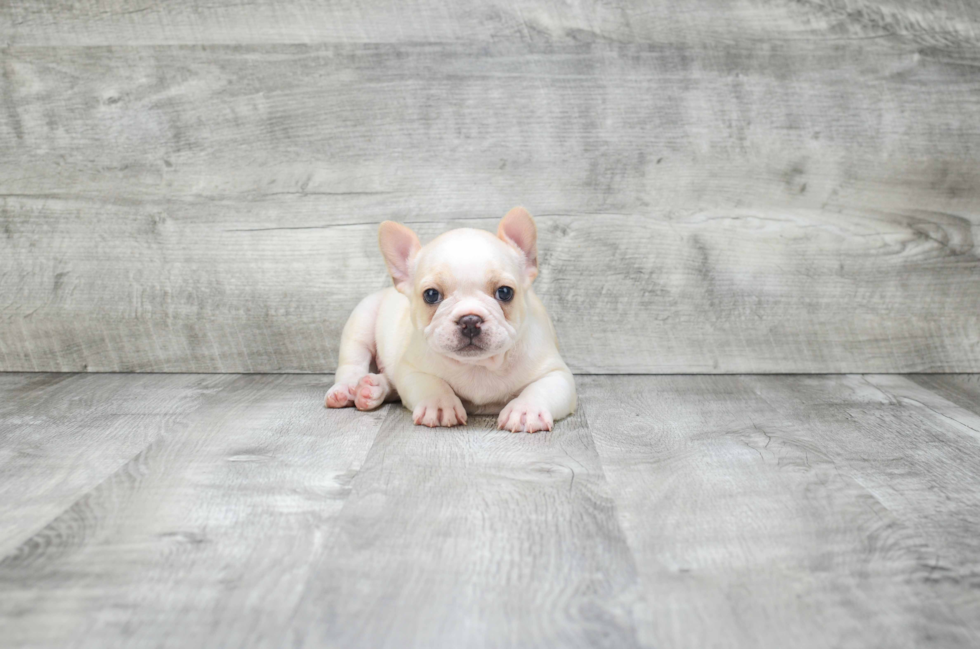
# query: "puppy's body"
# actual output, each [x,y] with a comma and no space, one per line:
[472,350]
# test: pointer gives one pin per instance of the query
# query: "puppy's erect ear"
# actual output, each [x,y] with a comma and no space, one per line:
[517,228]
[399,245]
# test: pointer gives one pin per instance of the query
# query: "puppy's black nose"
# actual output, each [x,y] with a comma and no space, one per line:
[470,325]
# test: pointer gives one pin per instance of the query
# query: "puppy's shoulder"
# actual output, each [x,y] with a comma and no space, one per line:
[392,297]
[537,313]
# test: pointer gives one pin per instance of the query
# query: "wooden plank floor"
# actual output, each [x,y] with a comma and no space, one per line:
[670,511]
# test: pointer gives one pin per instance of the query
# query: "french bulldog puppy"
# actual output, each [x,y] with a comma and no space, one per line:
[461,332]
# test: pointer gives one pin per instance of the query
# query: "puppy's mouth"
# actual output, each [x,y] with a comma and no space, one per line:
[468,347]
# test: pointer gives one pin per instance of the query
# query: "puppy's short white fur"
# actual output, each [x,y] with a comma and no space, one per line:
[437,357]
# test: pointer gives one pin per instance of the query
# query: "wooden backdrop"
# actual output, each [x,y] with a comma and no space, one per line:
[721,186]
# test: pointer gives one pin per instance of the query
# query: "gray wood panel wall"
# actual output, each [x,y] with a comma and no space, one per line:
[749,186]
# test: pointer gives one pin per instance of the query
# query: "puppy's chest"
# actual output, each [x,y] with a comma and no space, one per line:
[479,385]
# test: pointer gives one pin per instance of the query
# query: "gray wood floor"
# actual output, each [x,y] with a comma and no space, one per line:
[670,511]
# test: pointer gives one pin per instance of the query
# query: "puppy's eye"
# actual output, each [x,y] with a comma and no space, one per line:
[505,294]
[431,295]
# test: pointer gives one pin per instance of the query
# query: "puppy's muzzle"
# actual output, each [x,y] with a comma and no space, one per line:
[469,325]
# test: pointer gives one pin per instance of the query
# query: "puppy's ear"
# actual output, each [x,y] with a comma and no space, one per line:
[399,245]
[517,228]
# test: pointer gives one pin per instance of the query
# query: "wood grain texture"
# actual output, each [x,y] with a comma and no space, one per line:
[918,456]
[203,539]
[792,511]
[961,389]
[723,206]
[944,23]
[671,511]
[474,537]
[61,435]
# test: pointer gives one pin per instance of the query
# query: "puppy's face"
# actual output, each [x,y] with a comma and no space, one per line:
[467,288]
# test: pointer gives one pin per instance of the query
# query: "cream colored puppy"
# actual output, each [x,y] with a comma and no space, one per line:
[461,332]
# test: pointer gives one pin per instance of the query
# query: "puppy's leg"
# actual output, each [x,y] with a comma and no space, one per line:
[538,406]
[356,352]
[431,400]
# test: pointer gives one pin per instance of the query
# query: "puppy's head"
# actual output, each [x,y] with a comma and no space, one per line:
[467,287]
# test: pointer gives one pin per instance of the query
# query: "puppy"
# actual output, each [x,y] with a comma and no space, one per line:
[461,332]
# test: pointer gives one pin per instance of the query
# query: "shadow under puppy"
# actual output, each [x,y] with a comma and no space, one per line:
[461,332]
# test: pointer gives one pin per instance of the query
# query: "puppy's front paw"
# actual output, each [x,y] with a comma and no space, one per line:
[340,395]
[371,391]
[524,415]
[441,410]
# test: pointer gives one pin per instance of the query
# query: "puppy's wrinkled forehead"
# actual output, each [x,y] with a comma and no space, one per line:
[468,256]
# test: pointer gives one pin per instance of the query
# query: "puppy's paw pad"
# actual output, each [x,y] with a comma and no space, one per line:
[442,410]
[524,416]
[370,391]
[340,395]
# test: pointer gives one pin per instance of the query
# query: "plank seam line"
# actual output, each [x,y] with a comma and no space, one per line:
[329,373]
[389,409]
[949,417]
[160,437]
[583,412]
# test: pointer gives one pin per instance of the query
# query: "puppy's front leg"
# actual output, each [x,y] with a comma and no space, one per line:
[431,400]
[542,402]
